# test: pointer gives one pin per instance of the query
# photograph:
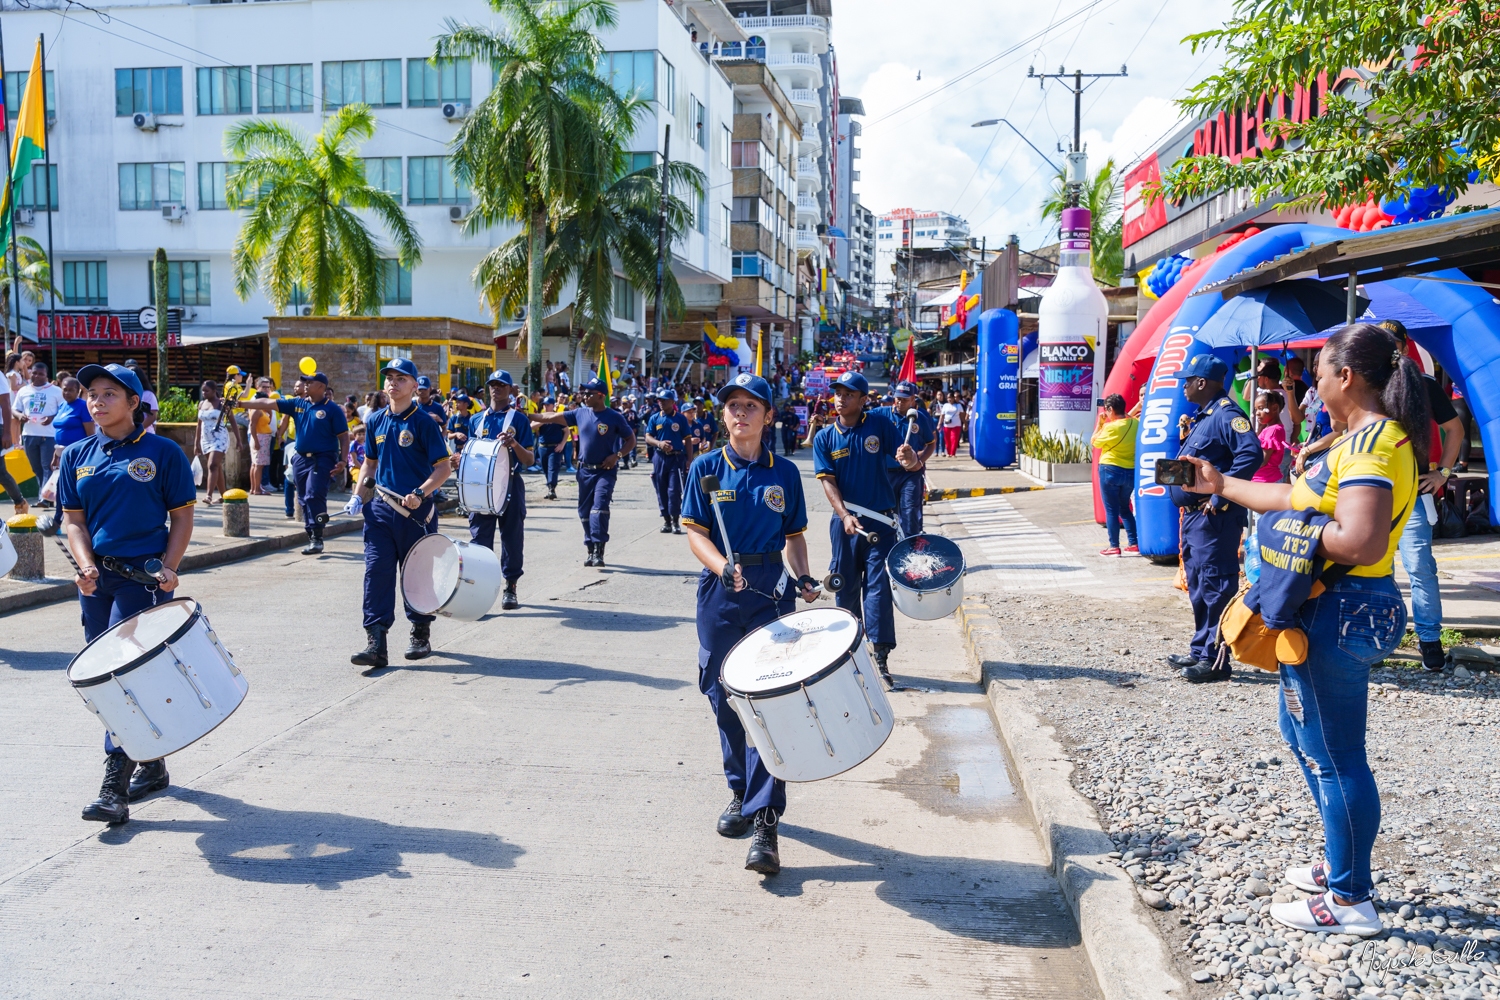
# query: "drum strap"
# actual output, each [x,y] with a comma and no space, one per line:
[867,512]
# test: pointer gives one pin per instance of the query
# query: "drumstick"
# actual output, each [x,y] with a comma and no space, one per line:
[710,486]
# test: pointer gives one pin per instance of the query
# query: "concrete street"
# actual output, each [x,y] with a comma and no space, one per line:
[527,813]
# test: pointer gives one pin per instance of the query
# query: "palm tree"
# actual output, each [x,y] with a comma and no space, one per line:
[35,276]
[304,229]
[534,150]
[1101,196]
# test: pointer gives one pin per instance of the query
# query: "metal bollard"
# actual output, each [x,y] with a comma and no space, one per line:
[236,508]
[30,552]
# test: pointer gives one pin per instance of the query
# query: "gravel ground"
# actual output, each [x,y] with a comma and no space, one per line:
[1208,808]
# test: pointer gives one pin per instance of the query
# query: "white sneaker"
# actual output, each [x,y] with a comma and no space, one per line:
[1313,879]
[1321,913]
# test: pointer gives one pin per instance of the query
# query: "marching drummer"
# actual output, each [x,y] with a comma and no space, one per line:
[763,510]
[849,456]
[127,498]
[667,432]
[500,420]
[603,435]
[919,430]
[406,460]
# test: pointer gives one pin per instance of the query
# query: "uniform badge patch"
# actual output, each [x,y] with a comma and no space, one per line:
[742,379]
[406,437]
[1240,424]
[724,496]
[320,414]
[604,428]
[872,444]
[776,498]
[82,471]
[675,427]
[142,470]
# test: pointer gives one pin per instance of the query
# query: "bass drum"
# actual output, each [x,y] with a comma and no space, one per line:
[927,576]
[484,476]
[453,578]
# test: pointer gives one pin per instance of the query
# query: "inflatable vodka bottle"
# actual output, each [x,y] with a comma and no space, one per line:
[1071,336]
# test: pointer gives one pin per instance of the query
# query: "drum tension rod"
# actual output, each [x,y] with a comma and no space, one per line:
[814,710]
[865,690]
[130,697]
[775,754]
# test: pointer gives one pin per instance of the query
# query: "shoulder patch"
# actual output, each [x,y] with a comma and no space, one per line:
[1226,401]
[1240,424]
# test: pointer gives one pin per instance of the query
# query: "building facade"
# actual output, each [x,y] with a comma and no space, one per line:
[853,238]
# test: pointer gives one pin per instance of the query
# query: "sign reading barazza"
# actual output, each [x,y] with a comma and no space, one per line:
[106,329]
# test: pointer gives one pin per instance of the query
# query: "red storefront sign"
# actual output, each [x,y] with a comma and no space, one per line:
[104,329]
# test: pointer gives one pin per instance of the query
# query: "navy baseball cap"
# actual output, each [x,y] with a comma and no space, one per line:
[667,394]
[405,366]
[853,381]
[905,389]
[548,400]
[115,373]
[498,375]
[423,382]
[595,384]
[753,384]
[314,377]
[1206,366]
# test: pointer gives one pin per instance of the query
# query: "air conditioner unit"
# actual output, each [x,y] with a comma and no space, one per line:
[173,212]
[144,122]
[456,213]
[454,111]
[307,310]
[25,216]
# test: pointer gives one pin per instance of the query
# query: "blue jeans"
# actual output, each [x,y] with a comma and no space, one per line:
[1416,555]
[1323,704]
[1115,486]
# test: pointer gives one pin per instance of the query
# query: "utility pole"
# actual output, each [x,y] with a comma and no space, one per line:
[661,259]
[1077,161]
[47,186]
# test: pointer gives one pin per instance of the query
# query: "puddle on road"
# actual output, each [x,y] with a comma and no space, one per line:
[962,771]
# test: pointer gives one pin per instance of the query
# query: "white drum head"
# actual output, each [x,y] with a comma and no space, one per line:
[429,576]
[8,555]
[795,649]
[133,641]
[484,475]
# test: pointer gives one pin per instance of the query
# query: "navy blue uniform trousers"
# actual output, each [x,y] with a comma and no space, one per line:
[552,463]
[867,587]
[724,618]
[596,488]
[388,537]
[910,490]
[512,525]
[311,473]
[1210,559]
[668,473]
[115,599]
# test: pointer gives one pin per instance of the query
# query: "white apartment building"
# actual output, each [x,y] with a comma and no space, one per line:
[917,228]
[141,103]
[854,237]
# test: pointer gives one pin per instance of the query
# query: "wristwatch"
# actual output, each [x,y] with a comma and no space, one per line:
[418,493]
[1446,473]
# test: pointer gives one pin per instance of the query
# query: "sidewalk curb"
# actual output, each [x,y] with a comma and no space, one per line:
[1129,958]
[978,491]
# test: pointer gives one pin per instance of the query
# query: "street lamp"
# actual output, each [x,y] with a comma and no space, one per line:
[1002,121]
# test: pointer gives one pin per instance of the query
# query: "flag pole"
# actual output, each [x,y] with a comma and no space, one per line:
[47,177]
[10,201]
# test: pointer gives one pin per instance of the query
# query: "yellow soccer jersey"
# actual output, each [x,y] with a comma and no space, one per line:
[1379,455]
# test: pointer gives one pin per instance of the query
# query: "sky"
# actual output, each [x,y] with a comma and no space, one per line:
[929,157]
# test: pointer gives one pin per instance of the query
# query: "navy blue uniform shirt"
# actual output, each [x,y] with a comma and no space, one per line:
[404,448]
[125,490]
[673,429]
[435,409]
[487,424]
[318,424]
[761,501]
[550,434]
[600,434]
[1221,433]
[925,434]
[856,459]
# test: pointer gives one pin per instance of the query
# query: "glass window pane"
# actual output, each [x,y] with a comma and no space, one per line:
[140,93]
[414,82]
[174,90]
[124,94]
[645,75]
[392,76]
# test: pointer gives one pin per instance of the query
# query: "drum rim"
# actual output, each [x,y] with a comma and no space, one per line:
[963,569]
[777,692]
[401,580]
[145,657]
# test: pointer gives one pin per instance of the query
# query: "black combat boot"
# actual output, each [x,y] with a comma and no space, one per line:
[599,554]
[591,560]
[666,525]
[113,804]
[763,856]
[314,543]
[509,601]
[882,653]
[374,654]
[733,823]
[150,776]
[676,525]
[419,647]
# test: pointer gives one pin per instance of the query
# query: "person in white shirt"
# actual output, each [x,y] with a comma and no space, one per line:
[952,423]
[36,406]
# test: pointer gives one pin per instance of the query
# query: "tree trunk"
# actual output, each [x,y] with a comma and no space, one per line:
[159,277]
[535,309]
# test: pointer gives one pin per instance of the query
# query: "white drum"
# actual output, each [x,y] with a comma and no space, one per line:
[484,476]
[8,555]
[452,578]
[808,695]
[927,576]
[159,680]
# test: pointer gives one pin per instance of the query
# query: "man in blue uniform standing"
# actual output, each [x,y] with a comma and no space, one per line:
[920,431]
[550,440]
[500,420]
[667,431]
[849,457]
[406,460]
[322,442]
[764,511]
[603,435]
[429,402]
[1221,434]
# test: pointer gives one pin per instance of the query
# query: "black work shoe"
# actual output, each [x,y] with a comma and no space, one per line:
[150,776]
[590,561]
[314,546]
[599,554]
[1181,659]
[882,654]
[666,526]
[551,494]
[113,804]
[763,856]
[1433,657]
[419,647]
[374,654]
[509,601]
[732,823]
[1206,671]
[676,525]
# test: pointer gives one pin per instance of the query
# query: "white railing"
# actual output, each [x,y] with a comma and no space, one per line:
[785,21]
[801,96]
[807,240]
[806,204]
[793,59]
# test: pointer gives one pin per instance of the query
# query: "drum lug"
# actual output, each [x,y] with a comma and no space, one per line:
[213,637]
[182,669]
[814,710]
[864,690]
[130,697]
[775,754]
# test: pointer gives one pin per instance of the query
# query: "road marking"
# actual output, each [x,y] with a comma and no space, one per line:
[1005,551]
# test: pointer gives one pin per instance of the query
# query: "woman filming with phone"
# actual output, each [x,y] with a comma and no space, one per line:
[1367,483]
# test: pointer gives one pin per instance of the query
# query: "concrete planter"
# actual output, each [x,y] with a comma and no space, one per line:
[1069,472]
[181,433]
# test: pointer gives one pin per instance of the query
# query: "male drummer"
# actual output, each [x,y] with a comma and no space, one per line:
[849,456]
[602,435]
[406,460]
[919,430]
[126,497]
[500,420]
[322,442]
[761,502]
[667,431]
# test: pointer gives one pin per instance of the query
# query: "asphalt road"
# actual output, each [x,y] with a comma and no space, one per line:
[527,813]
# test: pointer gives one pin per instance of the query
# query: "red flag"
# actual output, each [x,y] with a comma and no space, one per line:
[908,371]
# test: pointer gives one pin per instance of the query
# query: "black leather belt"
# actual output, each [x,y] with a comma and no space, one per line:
[129,571]
[758,558]
[596,468]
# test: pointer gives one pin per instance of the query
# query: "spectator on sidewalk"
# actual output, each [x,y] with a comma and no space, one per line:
[1271,433]
[1114,436]
[953,422]
[36,405]
[73,421]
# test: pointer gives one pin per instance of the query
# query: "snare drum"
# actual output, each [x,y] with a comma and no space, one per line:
[452,578]
[159,680]
[484,476]
[808,694]
[927,576]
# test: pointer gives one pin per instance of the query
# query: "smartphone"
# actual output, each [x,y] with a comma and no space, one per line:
[1175,472]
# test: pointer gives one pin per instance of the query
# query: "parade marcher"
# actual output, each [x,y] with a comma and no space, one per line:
[763,508]
[406,460]
[1221,434]
[429,402]
[321,444]
[849,456]
[501,420]
[668,432]
[602,435]
[551,439]
[918,430]
[126,497]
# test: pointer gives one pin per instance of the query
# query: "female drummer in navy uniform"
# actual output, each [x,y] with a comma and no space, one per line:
[513,427]
[765,514]
[127,497]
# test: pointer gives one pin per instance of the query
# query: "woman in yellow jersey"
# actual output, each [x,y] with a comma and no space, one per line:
[1115,438]
[1367,482]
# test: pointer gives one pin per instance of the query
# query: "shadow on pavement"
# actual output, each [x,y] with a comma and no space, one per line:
[592,620]
[257,844]
[17,659]
[562,674]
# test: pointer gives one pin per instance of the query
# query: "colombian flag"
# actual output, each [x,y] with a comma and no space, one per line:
[30,142]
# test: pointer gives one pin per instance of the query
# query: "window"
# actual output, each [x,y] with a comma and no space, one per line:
[749,264]
[624,305]
[156,91]
[15,89]
[666,86]
[724,142]
[724,220]
[630,73]
[86,282]
[395,283]
[431,83]
[430,181]
[213,185]
[700,124]
[187,282]
[390,352]
[376,82]
[31,197]
[642,161]
[144,186]
[751,153]
[285,88]
[756,210]
[755,48]
[384,172]
[225,90]
[700,213]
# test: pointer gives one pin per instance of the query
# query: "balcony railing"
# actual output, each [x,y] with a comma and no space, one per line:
[801,96]
[785,21]
[807,204]
[793,59]
[807,240]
